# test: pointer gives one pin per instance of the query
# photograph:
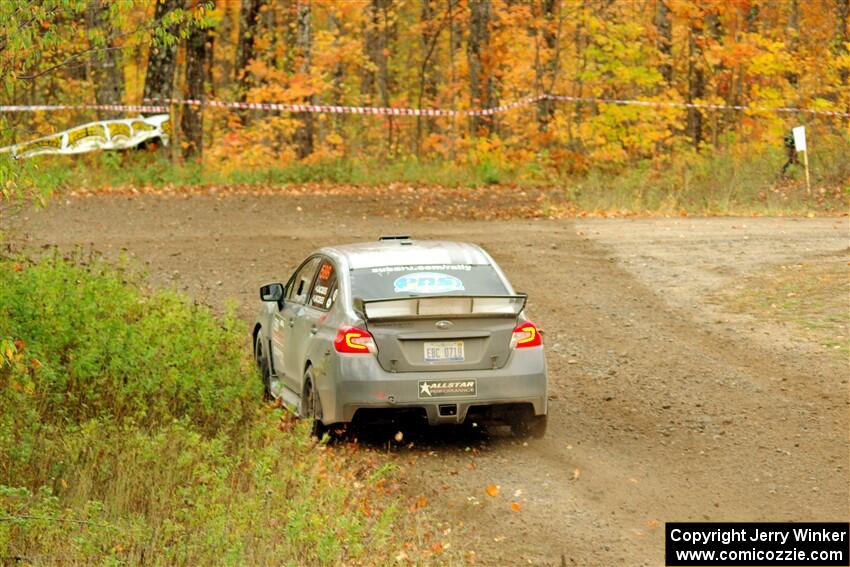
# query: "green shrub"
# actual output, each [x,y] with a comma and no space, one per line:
[132,431]
[103,349]
[488,172]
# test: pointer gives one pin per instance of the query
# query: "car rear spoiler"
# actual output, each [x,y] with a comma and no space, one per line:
[440,306]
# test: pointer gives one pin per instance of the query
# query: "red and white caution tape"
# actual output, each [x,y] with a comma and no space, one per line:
[701,106]
[52,107]
[335,109]
[161,105]
[319,108]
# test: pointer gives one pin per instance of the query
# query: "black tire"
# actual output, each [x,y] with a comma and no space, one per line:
[312,405]
[263,366]
[529,425]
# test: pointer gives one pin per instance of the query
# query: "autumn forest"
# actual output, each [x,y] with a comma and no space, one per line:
[440,54]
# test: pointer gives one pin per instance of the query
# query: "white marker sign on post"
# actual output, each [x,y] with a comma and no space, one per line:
[800,138]
[800,146]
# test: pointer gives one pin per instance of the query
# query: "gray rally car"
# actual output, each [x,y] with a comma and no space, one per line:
[399,325]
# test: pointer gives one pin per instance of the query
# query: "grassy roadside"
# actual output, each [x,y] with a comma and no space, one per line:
[722,182]
[131,432]
[813,297]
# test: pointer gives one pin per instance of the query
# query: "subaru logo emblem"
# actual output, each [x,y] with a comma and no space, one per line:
[443,325]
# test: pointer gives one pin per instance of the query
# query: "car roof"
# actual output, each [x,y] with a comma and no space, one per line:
[405,252]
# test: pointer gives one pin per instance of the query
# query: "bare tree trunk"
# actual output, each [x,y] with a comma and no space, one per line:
[455,35]
[580,43]
[304,134]
[734,92]
[192,119]
[664,29]
[696,84]
[376,79]
[248,17]
[793,39]
[337,75]
[427,74]
[107,70]
[481,88]
[372,47]
[545,71]
[162,59]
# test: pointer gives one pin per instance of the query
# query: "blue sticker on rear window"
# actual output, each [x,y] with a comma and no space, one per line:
[427,282]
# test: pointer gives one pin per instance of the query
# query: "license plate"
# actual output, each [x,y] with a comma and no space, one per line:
[444,351]
[446,388]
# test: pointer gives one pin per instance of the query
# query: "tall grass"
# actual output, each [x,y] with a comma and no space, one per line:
[738,178]
[131,432]
[144,168]
[723,182]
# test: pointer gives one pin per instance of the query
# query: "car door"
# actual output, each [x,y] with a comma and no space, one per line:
[286,329]
[310,317]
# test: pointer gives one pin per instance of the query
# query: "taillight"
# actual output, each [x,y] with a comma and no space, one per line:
[351,340]
[526,335]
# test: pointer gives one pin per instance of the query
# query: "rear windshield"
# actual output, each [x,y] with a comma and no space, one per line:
[443,279]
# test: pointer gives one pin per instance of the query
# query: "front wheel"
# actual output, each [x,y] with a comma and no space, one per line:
[312,405]
[263,366]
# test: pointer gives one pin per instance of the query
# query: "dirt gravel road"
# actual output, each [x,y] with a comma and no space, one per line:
[663,408]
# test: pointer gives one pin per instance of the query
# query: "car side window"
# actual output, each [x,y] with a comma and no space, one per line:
[323,292]
[302,282]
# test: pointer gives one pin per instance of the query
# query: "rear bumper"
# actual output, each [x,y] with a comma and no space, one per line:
[358,382]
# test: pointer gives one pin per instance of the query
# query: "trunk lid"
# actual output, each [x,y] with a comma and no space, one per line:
[442,333]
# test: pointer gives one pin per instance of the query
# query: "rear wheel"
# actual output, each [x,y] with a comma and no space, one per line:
[312,405]
[263,366]
[526,424]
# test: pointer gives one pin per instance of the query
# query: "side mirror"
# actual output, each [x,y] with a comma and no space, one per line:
[272,292]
